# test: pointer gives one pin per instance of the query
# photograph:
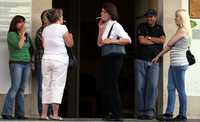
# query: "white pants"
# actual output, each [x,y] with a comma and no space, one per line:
[54,79]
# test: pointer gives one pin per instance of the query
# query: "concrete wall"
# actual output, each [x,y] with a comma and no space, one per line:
[37,7]
[30,100]
[169,8]
[192,75]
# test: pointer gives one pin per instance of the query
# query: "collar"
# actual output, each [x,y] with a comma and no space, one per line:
[151,26]
[110,22]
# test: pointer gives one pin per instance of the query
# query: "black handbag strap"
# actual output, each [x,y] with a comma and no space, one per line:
[69,50]
[109,33]
[189,43]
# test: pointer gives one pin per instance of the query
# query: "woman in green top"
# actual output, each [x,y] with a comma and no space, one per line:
[19,43]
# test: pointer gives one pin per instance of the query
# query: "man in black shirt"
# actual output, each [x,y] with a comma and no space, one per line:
[150,40]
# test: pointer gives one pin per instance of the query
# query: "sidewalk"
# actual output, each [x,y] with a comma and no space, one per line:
[87,120]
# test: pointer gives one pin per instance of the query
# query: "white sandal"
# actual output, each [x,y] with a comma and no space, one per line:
[44,118]
[56,118]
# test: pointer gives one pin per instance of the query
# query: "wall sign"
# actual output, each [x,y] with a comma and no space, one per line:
[194,8]
[8,9]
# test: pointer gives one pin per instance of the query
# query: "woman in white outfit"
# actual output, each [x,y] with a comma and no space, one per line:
[54,62]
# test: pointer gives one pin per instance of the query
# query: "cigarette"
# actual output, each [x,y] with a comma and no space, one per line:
[98,17]
[64,21]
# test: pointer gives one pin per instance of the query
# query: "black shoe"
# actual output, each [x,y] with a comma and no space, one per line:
[8,117]
[168,115]
[117,119]
[180,118]
[110,117]
[107,117]
[140,117]
[148,117]
[21,117]
[165,117]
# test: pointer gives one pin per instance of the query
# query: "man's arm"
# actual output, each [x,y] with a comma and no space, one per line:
[161,39]
[145,41]
[157,40]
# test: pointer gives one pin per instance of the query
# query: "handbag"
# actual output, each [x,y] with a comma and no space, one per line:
[73,62]
[190,57]
[112,48]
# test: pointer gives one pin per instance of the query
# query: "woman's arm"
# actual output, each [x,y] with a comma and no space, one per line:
[22,39]
[99,39]
[179,34]
[102,27]
[13,40]
[119,32]
[165,50]
[116,41]
[68,39]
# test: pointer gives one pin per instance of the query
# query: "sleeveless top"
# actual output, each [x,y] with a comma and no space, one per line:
[178,52]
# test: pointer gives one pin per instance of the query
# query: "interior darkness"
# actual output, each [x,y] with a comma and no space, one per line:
[90,59]
[70,103]
[90,65]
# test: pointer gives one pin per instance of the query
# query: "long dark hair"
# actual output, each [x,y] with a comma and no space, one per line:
[16,19]
[43,17]
[111,9]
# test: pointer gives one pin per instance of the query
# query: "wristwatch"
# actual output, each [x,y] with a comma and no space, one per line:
[149,38]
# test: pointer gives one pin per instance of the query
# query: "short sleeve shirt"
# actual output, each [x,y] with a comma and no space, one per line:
[117,31]
[148,52]
[114,30]
[54,44]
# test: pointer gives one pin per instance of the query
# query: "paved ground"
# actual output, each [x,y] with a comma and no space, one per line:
[88,120]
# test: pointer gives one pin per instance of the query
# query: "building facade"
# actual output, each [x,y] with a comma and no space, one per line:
[77,13]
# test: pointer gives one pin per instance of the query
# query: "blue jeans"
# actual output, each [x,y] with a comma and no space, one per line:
[176,81]
[146,78]
[39,80]
[20,75]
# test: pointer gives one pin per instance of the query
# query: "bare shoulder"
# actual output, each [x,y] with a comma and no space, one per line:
[183,30]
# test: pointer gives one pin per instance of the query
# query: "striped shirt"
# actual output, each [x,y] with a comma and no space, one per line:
[178,52]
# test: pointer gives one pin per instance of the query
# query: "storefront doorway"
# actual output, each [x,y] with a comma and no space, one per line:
[81,98]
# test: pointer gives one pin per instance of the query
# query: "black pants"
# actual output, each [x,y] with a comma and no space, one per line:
[110,92]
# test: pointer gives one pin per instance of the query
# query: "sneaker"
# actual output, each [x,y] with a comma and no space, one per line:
[180,118]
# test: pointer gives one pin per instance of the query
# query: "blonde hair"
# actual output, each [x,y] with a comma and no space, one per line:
[185,20]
